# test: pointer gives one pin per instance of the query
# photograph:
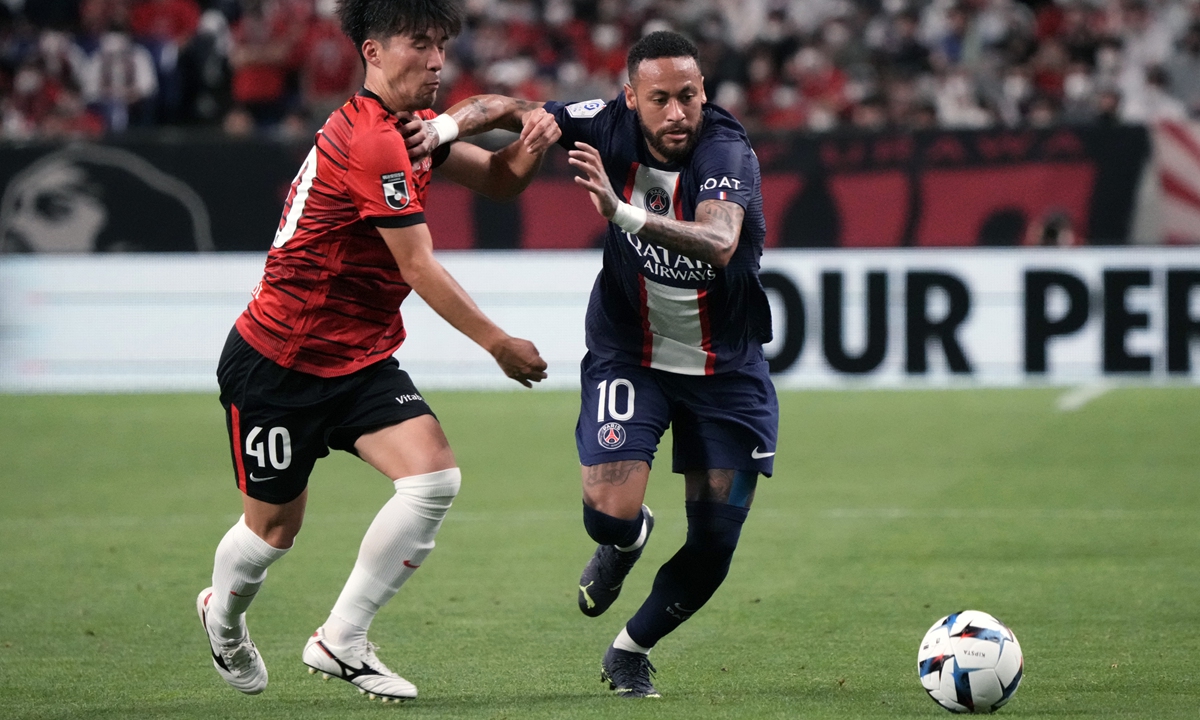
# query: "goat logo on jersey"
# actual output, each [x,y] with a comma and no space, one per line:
[611,436]
[658,201]
[395,190]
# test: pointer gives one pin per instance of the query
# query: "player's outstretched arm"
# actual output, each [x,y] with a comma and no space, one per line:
[413,249]
[711,238]
[482,113]
[503,174]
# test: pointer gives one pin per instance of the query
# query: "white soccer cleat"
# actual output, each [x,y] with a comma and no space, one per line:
[356,665]
[237,662]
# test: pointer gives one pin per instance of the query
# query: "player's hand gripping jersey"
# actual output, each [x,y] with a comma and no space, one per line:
[329,300]
[651,306]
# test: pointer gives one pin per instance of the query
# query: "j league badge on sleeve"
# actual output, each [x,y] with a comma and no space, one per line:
[395,190]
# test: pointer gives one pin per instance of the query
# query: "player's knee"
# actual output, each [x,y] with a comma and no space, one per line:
[441,485]
[608,530]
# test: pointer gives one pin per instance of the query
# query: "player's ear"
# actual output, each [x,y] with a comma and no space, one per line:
[371,50]
[703,96]
[630,97]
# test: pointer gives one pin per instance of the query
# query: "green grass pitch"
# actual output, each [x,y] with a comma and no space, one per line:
[1081,530]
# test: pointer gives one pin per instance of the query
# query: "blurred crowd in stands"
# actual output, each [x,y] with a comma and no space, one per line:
[89,67]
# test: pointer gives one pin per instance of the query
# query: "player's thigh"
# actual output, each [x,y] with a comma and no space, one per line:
[623,415]
[723,485]
[412,447]
[391,426]
[275,418]
[726,422]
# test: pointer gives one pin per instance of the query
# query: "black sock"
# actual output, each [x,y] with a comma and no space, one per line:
[609,530]
[690,578]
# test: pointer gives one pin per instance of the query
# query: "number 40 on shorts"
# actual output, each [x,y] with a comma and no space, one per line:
[277,448]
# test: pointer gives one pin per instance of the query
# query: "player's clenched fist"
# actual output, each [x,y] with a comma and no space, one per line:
[519,360]
[419,141]
[539,130]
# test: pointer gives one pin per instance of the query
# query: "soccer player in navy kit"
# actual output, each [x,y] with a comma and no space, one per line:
[308,366]
[675,328]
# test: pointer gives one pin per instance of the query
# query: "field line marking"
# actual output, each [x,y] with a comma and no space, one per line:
[1076,398]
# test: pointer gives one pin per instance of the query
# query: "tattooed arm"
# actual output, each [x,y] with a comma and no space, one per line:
[711,238]
[482,113]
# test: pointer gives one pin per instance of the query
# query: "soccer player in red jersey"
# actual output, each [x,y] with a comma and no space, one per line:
[308,366]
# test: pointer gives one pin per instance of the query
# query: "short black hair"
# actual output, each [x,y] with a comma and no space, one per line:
[380,19]
[660,44]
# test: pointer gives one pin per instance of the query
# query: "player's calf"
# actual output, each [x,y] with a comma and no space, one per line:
[686,582]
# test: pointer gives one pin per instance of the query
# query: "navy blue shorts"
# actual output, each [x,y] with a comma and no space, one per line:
[282,421]
[728,421]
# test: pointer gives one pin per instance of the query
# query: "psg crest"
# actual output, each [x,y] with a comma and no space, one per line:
[611,436]
[658,201]
[395,190]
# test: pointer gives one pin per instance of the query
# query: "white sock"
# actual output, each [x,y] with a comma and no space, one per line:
[641,538]
[239,569]
[624,642]
[397,542]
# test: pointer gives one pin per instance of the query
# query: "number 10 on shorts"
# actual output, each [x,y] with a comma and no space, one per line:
[609,399]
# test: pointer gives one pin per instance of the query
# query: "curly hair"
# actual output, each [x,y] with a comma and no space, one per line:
[660,44]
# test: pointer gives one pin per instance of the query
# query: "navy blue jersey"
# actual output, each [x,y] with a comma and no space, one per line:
[651,306]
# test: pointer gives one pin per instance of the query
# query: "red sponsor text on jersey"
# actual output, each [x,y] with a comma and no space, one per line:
[329,299]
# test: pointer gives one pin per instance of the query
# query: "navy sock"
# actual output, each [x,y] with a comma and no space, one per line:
[690,578]
[609,530]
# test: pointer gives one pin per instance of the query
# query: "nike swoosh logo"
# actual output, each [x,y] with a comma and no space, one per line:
[755,454]
[258,479]
[407,564]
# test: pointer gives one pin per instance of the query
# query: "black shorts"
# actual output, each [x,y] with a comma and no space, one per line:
[280,421]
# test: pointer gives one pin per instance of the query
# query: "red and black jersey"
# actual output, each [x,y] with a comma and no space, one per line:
[329,300]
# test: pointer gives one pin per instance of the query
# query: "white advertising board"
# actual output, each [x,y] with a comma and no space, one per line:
[895,318]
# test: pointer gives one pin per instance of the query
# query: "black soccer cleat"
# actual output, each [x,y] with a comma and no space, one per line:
[628,673]
[605,573]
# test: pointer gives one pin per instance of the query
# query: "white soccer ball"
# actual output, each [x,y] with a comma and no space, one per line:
[970,662]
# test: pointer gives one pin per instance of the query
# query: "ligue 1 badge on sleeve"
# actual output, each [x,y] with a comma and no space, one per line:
[611,436]
[395,190]
[585,109]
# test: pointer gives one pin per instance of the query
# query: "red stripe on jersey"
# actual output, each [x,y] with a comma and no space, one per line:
[630,181]
[647,336]
[675,201]
[237,447]
[710,363]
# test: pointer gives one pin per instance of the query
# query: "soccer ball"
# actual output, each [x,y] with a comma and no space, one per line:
[970,662]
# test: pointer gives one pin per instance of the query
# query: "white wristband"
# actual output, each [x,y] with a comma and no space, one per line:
[447,128]
[629,218]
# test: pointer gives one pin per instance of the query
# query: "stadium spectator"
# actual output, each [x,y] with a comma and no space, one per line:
[266,51]
[331,70]
[119,81]
[165,27]
[1183,70]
